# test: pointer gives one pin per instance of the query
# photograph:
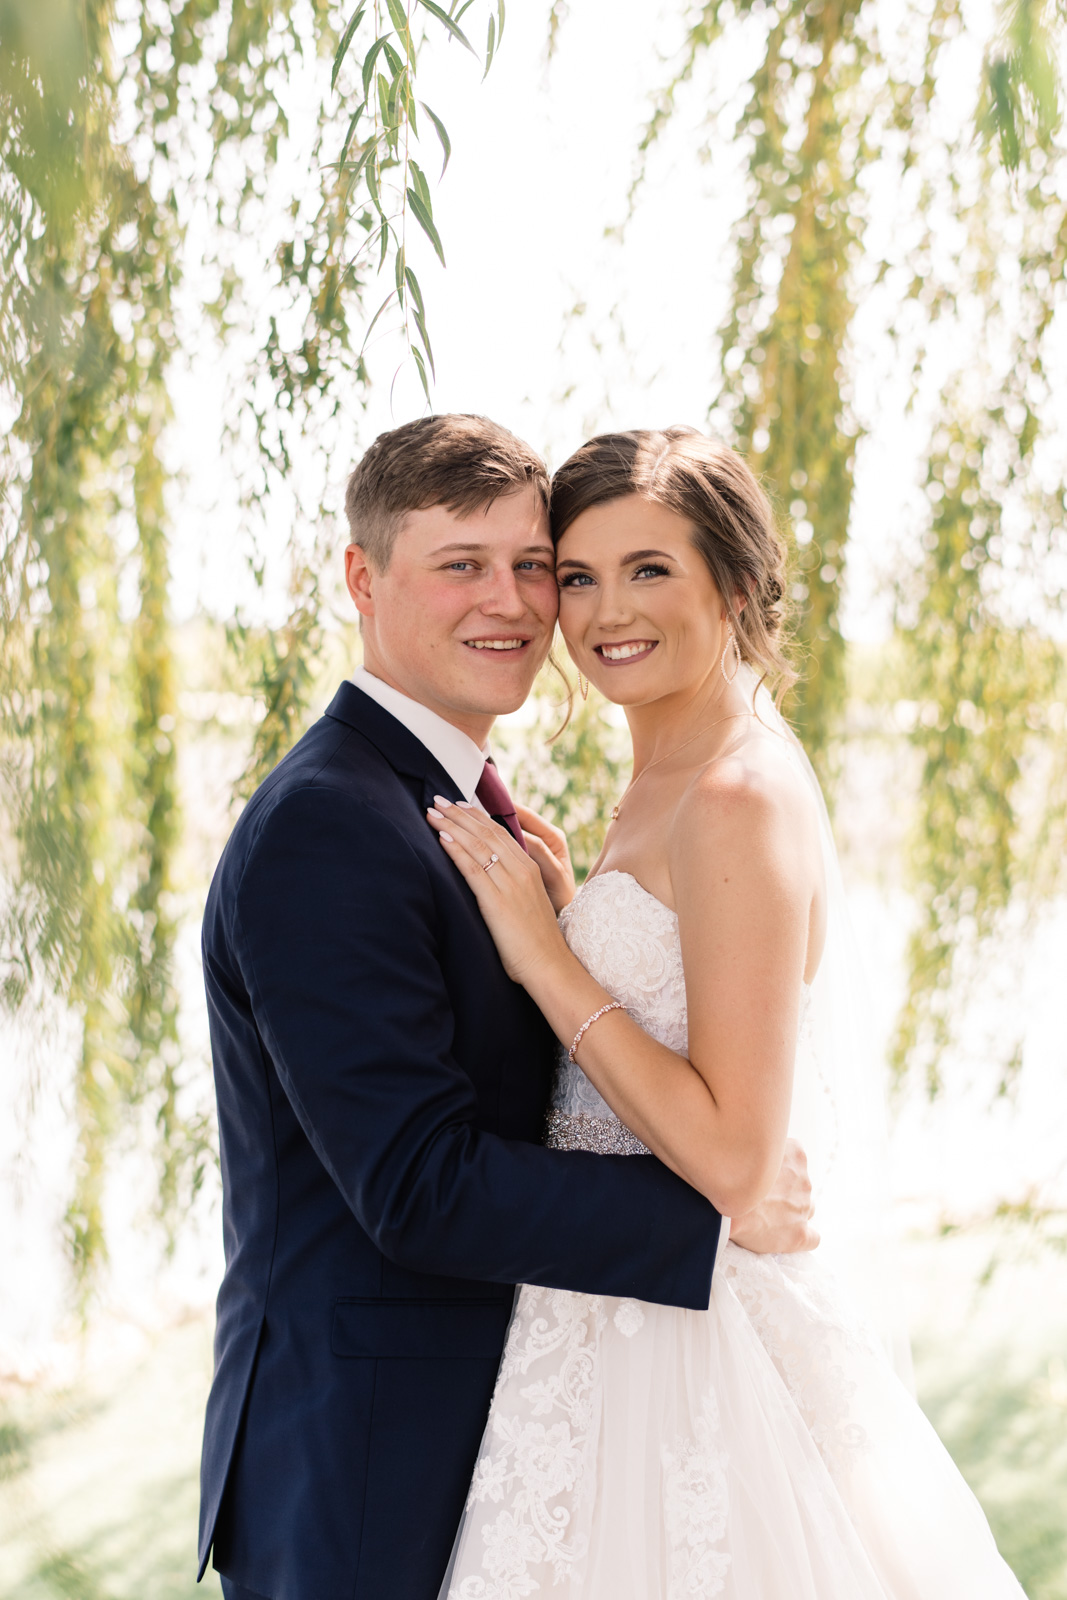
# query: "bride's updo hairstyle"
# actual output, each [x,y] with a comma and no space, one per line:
[714,490]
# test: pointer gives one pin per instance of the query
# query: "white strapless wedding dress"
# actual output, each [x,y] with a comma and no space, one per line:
[763,1449]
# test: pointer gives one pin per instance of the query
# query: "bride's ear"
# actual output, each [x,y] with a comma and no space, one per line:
[739,600]
[359,580]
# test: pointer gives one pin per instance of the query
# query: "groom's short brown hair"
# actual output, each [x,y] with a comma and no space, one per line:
[459,461]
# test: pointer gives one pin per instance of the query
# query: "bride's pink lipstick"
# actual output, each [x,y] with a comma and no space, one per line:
[636,650]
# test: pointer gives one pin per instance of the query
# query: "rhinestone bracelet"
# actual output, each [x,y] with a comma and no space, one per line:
[613,1005]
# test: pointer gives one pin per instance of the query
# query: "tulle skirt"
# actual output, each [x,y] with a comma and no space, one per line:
[763,1449]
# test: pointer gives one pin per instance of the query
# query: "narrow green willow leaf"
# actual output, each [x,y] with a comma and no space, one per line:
[395,60]
[442,134]
[385,103]
[401,280]
[420,183]
[346,40]
[420,323]
[400,21]
[416,292]
[417,353]
[409,101]
[457,15]
[384,243]
[500,18]
[426,223]
[368,64]
[349,135]
[490,45]
[1008,111]
[373,184]
[357,168]
[386,303]
[453,27]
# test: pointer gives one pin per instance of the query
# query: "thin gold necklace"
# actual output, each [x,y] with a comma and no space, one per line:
[676,751]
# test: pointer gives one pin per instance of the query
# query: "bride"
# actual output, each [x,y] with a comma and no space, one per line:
[764,1449]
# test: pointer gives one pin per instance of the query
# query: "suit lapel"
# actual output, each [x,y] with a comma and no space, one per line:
[404,752]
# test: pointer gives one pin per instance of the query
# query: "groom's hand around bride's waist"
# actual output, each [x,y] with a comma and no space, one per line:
[781,1223]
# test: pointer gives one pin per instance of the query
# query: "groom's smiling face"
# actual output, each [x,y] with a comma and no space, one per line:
[461,619]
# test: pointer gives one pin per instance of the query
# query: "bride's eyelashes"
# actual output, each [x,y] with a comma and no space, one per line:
[586,580]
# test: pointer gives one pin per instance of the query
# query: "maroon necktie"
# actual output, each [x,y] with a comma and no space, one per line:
[494,796]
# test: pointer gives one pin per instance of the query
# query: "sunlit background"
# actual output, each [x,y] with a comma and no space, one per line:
[833,233]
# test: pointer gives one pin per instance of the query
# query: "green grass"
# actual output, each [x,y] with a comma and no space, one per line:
[1006,1428]
[98,1482]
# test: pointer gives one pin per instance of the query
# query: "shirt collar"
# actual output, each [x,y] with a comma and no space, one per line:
[458,754]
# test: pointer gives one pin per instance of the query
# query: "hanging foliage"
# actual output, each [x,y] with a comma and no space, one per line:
[785,377]
[826,99]
[981,661]
[105,119]
[784,394]
[980,687]
[99,116]
[86,695]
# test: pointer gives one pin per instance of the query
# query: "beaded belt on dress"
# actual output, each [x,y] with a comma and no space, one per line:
[583,1132]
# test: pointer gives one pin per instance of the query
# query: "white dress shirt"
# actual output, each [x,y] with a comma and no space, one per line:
[458,754]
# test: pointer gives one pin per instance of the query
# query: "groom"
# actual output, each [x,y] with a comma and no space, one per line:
[381,1082]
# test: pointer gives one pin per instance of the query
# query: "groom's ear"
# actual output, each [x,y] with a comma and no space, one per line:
[359,578]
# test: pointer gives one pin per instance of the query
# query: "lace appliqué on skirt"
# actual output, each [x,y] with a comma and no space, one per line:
[696,1507]
[538,1469]
[813,1339]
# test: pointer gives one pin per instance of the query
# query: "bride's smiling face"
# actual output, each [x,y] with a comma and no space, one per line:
[641,613]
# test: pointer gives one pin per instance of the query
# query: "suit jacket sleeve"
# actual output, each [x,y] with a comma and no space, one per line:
[333,932]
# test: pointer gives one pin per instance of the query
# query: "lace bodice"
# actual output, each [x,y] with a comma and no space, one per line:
[629,941]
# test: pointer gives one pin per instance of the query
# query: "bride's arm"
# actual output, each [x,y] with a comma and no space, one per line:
[744,891]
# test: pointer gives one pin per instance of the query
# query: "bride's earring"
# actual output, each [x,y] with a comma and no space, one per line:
[729,677]
[583,686]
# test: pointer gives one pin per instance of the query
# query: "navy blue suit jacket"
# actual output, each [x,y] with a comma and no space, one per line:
[381,1090]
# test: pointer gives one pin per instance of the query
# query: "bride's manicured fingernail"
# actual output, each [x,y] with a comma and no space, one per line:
[447,837]
[439,800]
[464,805]
[436,815]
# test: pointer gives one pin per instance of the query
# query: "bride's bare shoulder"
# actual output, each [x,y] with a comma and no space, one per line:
[755,786]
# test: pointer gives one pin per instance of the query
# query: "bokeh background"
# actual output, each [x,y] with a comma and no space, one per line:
[831,232]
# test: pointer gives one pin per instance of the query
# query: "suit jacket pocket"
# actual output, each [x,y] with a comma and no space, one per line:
[407,1330]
